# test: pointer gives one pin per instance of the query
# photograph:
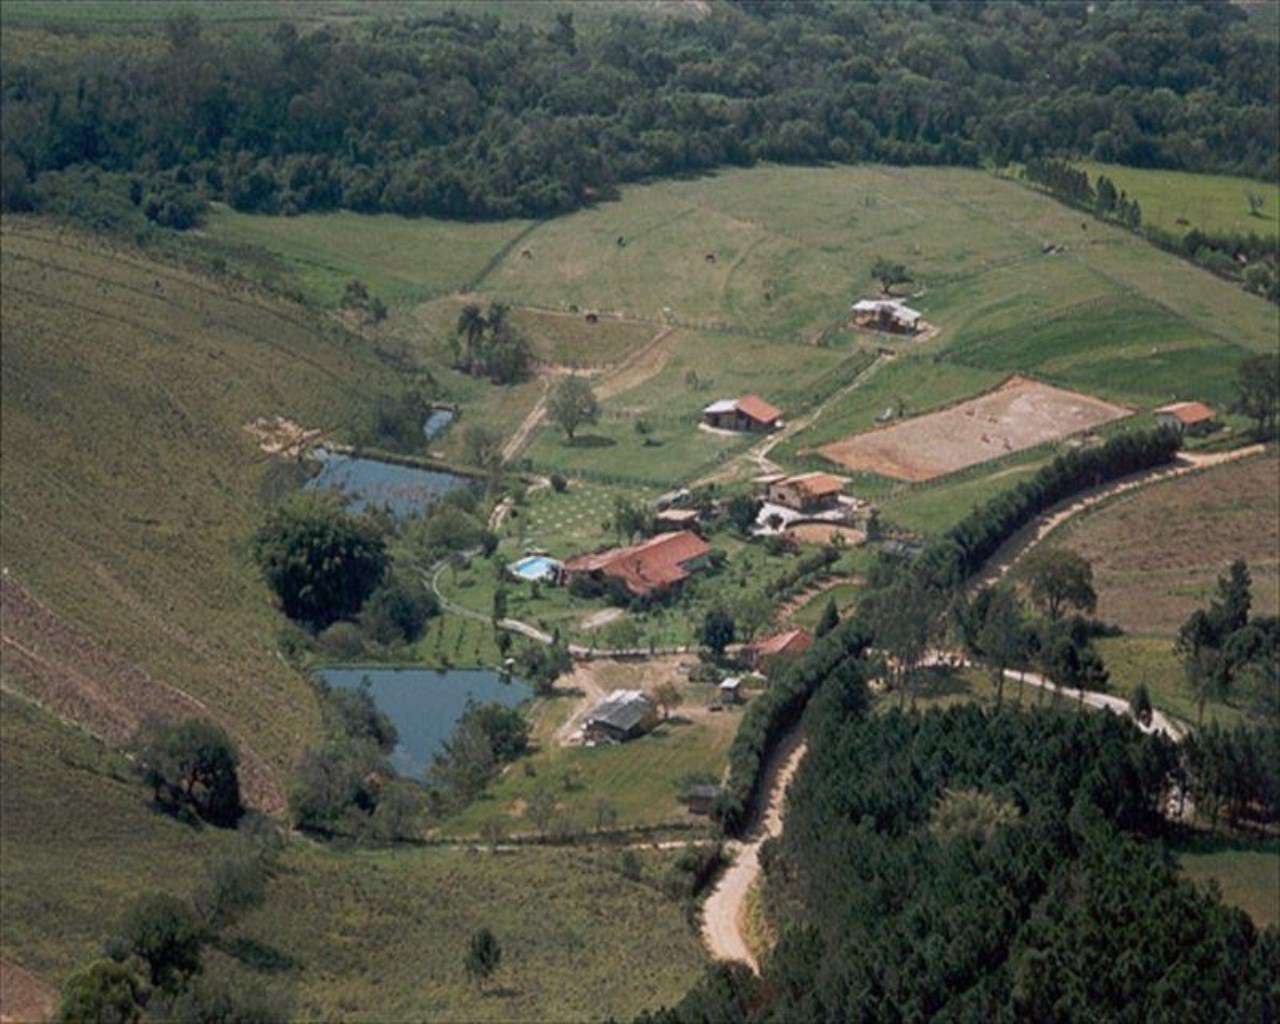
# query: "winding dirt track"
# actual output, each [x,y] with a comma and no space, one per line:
[722,931]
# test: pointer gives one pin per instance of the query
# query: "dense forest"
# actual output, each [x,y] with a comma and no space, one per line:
[461,115]
[975,865]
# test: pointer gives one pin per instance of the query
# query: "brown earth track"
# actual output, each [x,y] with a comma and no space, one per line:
[51,662]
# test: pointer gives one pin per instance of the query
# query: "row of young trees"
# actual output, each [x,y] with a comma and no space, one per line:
[1251,258]
[459,115]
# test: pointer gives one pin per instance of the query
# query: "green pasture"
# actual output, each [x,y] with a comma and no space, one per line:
[402,260]
[78,841]
[640,781]
[935,506]
[382,935]
[1246,872]
[845,595]
[1118,347]
[1178,201]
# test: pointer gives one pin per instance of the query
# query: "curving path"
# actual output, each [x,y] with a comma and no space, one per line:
[722,913]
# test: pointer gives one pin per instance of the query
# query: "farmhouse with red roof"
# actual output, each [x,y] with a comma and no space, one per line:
[751,413]
[1186,417]
[660,563]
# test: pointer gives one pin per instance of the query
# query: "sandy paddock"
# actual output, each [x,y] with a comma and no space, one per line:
[1019,414]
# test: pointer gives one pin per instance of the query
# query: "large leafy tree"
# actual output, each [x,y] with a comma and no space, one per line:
[191,766]
[321,562]
[1258,392]
[573,404]
[166,932]
[1059,579]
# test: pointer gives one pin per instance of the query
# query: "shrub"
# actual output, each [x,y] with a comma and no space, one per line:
[191,766]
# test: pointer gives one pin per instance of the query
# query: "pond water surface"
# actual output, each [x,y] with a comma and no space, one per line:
[425,704]
[405,490]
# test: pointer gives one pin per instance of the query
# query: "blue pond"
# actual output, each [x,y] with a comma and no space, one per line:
[425,704]
[403,489]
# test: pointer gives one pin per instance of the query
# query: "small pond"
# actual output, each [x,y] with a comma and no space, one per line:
[425,704]
[403,489]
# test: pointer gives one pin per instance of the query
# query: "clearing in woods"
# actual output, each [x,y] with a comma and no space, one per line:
[1019,414]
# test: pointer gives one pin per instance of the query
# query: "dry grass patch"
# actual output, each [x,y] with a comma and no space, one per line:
[1157,552]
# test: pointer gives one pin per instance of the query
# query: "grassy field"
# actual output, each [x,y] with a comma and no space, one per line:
[1157,553]
[130,486]
[1247,873]
[78,840]
[1178,201]
[383,935]
[401,260]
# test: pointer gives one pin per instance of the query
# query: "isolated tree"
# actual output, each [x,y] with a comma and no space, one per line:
[742,511]
[470,332]
[483,447]
[1229,610]
[573,404]
[1255,201]
[889,273]
[1258,392]
[191,767]
[483,955]
[1197,645]
[1140,705]
[105,992]
[166,932]
[630,517]
[717,631]
[830,618]
[1001,637]
[668,697]
[540,808]
[321,562]
[1057,579]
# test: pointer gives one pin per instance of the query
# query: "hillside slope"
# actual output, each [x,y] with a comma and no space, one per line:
[130,488]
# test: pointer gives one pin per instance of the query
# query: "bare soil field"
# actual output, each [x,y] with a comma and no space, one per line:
[823,533]
[23,996]
[1019,414]
[1157,553]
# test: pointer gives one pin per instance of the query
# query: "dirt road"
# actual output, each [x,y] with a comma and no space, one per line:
[1026,538]
[722,914]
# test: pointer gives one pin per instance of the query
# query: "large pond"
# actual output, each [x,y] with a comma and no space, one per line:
[425,704]
[405,490]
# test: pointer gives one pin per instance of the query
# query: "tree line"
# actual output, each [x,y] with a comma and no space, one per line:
[985,865]
[461,115]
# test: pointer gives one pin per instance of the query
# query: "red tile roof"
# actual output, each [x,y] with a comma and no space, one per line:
[653,565]
[1189,413]
[758,409]
[816,485]
[791,642]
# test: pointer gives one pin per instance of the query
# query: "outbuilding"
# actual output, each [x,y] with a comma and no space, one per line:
[621,716]
[750,414]
[1186,417]
[886,315]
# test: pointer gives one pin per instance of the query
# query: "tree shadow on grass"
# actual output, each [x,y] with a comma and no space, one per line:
[591,441]
[502,992]
[258,955]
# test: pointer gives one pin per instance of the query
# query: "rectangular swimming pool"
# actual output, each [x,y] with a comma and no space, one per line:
[535,567]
